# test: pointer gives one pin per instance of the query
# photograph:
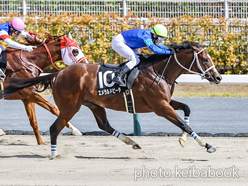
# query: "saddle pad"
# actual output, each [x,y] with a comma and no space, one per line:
[105,74]
[105,86]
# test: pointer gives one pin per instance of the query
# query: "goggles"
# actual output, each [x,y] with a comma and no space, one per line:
[159,40]
[16,32]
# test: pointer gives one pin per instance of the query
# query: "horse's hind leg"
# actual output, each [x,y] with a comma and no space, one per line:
[30,109]
[102,121]
[43,102]
[181,106]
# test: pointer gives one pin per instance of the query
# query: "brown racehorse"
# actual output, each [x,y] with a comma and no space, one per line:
[76,85]
[28,65]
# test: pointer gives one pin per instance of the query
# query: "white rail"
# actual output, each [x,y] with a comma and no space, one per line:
[226,79]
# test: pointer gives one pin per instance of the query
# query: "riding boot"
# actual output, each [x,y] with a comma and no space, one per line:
[119,75]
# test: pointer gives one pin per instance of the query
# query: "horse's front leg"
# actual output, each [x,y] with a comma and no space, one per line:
[181,106]
[30,109]
[102,121]
[43,102]
[165,110]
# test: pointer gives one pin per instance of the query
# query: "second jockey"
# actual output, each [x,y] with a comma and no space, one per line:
[13,28]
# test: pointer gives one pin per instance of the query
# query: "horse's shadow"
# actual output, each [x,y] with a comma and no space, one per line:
[91,157]
[24,156]
[108,158]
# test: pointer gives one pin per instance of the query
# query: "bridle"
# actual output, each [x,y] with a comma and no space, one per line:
[43,43]
[203,74]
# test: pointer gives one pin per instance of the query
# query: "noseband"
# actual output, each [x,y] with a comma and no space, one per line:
[203,74]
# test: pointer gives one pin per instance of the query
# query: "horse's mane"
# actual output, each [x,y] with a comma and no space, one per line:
[151,59]
[35,42]
[177,47]
[184,45]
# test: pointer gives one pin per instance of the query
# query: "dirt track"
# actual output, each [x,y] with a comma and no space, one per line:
[105,160]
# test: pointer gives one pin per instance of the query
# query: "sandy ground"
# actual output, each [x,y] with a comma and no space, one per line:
[105,160]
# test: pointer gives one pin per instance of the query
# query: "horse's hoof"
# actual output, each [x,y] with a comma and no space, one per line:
[52,157]
[211,150]
[41,143]
[77,133]
[182,141]
[2,132]
[136,146]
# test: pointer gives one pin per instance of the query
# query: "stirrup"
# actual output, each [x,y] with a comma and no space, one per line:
[118,81]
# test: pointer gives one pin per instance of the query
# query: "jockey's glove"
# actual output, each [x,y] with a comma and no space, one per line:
[29,48]
[172,51]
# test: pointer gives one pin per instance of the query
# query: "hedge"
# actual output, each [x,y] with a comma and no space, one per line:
[225,40]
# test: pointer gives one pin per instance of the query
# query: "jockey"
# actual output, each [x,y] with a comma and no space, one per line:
[13,28]
[127,43]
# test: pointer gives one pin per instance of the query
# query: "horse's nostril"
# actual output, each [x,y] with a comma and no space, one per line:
[218,78]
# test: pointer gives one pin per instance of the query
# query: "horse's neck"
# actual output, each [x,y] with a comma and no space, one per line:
[171,69]
[41,57]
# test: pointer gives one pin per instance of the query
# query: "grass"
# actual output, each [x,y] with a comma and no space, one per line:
[207,90]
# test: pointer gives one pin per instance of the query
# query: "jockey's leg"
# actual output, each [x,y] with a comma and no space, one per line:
[119,75]
[119,45]
[2,75]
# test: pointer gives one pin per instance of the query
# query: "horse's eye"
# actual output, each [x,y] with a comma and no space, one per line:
[205,60]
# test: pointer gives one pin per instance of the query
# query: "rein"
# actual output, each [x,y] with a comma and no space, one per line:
[162,75]
[49,54]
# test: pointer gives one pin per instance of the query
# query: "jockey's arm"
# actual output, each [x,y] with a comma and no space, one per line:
[160,45]
[156,49]
[14,44]
[25,34]
[5,37]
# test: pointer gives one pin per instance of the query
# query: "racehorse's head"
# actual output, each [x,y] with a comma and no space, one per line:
[201,64]
[71,52]
[205,64]
[66,48]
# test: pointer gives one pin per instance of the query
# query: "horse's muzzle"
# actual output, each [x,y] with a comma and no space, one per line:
[213,78]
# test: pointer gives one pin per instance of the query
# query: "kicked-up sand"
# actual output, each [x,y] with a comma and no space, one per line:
[105,160]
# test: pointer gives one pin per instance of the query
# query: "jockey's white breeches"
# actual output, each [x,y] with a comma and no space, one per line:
[119,45]
[2,48]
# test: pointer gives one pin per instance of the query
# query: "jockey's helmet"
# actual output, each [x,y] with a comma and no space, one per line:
[159,30]
[17,23]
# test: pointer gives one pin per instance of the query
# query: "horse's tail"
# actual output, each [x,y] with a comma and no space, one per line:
[16,85]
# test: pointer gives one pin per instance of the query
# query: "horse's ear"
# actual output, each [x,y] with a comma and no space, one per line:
[195,48]
[69,35]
